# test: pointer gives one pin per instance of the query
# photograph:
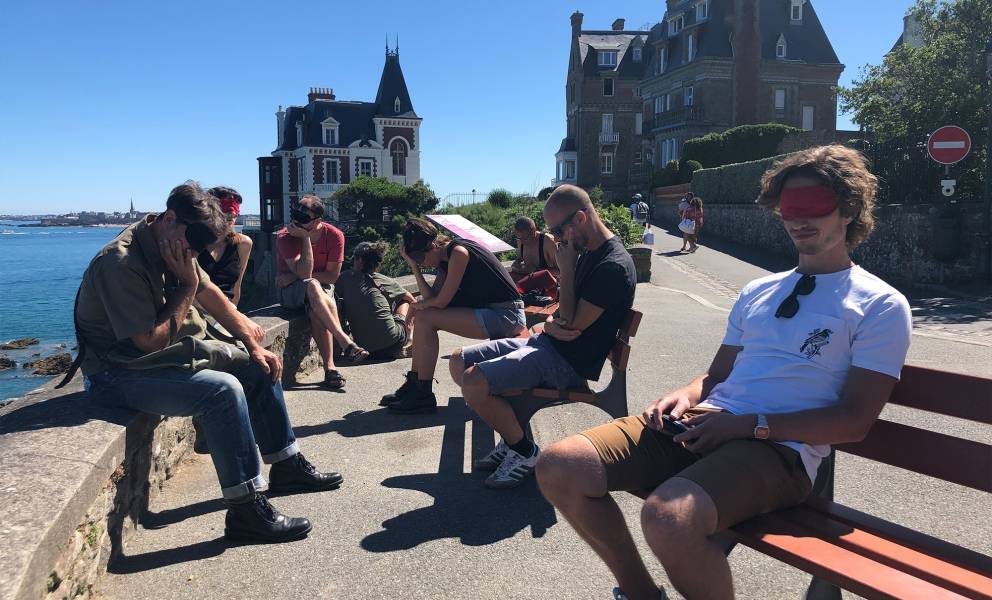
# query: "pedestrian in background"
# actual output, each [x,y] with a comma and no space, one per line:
[684,206]
[694,215]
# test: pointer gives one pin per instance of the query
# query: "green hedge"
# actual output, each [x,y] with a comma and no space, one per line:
[737,145]
[732,184]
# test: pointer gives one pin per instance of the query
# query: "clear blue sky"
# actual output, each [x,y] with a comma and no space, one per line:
[102,101]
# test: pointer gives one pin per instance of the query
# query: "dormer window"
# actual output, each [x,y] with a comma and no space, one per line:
[299,134]
[329,129]
[780,47]
[690,48]
[797,11]
[662,61]
[607,58]
[676,24]
[637,54]
[396,105]
[703,10]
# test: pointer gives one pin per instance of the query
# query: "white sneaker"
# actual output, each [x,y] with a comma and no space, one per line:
[491,461]
[513,470]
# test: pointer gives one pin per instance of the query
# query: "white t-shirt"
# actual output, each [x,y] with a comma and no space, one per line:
[851,318]
[683,205]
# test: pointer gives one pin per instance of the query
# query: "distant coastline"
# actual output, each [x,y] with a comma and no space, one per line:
[122,224]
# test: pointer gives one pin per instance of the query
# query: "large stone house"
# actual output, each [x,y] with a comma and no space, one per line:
[604,119]
[716,64]
[327,143]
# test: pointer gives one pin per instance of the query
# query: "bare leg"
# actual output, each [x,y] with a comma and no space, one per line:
[325,309]
[323,339]
[573,479]
[456,366]
[494,410]
[678,520]
[460,321]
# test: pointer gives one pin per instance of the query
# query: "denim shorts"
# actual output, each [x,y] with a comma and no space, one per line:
[522,363]
[501,322]
[294,295]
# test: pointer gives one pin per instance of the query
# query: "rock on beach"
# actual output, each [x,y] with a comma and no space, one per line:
[53,365]
[6,363]
[20,344]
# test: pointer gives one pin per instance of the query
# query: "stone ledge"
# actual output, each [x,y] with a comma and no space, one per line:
[78,476]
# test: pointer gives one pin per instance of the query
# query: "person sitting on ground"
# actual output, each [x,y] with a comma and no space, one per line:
[135,320]
[695,214]
[375,306]
[682,207]
[226,259]
[809,359]
[472,296]
[597,291]
[536,267]
[305,276]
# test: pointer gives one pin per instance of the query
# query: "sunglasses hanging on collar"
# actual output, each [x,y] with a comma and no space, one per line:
[790,306]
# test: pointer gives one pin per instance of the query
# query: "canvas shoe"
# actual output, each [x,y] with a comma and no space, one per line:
[491,461]
[513,470]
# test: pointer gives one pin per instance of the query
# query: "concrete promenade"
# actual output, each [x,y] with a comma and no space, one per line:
[412,521]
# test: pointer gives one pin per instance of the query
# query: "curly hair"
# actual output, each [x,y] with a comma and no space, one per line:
[192,204]
[371,254]
[840,168]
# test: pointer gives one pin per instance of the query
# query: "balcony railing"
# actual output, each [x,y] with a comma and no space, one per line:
[326,189]
[611,137]
[679,116]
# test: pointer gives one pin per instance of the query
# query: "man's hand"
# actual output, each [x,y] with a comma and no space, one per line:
[674,404]
[296,231]
[179,261]
[713,429]
[566,255]
[269,361]
[255,331]
[558,329]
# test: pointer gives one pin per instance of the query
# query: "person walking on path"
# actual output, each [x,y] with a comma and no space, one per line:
[143,345]
[376,308]
[226,259]
[310,253]
[694,216]
[682,207]
[472,296]
[809,359]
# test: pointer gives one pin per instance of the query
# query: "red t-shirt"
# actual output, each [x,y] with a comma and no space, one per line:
[329,248]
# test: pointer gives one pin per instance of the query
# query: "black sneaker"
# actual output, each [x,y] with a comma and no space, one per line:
[296,474]
[409,385]
[414,402]
[259,521]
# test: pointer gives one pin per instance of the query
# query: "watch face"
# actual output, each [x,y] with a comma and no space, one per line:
[761,432]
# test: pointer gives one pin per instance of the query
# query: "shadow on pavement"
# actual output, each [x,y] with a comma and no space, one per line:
[371,422]
[124,565]
[171,516]
[463,508]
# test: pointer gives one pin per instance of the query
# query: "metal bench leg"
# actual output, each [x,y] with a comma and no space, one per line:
[820,589]
[526,405]
[613,400]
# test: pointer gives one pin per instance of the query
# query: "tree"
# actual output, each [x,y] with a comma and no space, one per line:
[365,198]
[917,89]
[500,198]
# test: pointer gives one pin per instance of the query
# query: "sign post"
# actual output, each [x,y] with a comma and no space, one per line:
[947,146]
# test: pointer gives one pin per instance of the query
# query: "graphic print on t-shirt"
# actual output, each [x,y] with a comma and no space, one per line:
[817,339]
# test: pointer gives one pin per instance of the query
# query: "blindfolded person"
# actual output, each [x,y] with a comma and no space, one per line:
[226,259]
[809,358]
[472,296]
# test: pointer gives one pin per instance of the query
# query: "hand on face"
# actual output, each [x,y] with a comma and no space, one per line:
[296,231]
[180,261]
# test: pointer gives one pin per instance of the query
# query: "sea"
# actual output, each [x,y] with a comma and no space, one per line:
[40,270]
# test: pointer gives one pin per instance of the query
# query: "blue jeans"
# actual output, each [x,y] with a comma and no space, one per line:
[238,412]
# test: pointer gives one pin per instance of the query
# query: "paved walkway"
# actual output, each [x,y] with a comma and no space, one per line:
[412,521]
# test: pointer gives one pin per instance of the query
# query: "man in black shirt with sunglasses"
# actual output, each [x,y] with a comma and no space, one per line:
[809,358]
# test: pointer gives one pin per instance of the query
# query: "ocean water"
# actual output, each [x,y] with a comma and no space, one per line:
[40,269]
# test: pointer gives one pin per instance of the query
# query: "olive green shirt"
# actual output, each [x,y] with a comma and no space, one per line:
[122,291]
[368,307]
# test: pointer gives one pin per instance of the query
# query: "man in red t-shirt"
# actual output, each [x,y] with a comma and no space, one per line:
[305,275]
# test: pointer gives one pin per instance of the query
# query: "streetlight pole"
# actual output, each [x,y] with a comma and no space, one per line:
[987,249]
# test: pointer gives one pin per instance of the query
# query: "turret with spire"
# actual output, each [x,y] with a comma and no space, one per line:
[393,98]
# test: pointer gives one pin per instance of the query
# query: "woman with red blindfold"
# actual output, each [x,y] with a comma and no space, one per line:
[226,259]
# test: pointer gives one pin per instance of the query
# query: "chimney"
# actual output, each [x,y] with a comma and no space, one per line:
[747,61]
[280,124]
[618,25]
[320,94]
[576,24]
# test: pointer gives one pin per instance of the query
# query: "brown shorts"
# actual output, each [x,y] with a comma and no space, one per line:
[743,477]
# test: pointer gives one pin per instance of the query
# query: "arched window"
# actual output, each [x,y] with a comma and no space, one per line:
[398,149]
[396,105]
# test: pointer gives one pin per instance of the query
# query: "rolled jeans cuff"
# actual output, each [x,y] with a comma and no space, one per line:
[244,489]
[290,450]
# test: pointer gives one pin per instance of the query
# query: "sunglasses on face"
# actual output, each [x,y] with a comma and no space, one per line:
[300,216]
[790,306]
[198,235]
[559,230]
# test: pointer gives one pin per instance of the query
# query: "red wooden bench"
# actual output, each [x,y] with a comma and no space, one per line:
[613,399]
[845,548]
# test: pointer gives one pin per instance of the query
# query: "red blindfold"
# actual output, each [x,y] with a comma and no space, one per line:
[807,202]
[230,206]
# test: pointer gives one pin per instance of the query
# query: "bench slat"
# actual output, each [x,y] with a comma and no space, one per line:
[957,460]
[799,546]
[895,554]
[927,389]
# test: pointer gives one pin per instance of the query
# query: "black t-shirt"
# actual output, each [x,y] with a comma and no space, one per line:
[485,281]
[605,277]
[224,272]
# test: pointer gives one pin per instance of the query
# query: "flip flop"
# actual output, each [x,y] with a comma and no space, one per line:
[355,353]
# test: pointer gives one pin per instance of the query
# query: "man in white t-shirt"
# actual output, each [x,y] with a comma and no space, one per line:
[809,359]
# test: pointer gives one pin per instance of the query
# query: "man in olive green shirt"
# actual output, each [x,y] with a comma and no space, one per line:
[134,308]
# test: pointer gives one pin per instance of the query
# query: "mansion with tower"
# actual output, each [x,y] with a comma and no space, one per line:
[327,143]
[634,97]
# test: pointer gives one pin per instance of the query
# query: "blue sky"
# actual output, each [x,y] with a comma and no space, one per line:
[103,101]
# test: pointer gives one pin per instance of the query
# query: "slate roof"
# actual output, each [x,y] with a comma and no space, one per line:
[567,145]
[612,40]
[355,119]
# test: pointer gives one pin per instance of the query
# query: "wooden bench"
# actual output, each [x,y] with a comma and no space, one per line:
[539,314]
[613,399]
[845,548]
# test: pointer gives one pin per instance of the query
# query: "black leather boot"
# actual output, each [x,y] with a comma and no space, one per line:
[296,474]
[409,385]
[258,521]
[413,402]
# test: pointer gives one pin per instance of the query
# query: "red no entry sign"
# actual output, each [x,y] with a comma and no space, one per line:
[949,144]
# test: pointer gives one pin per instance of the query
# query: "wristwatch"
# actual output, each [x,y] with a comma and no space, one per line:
[761,431]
